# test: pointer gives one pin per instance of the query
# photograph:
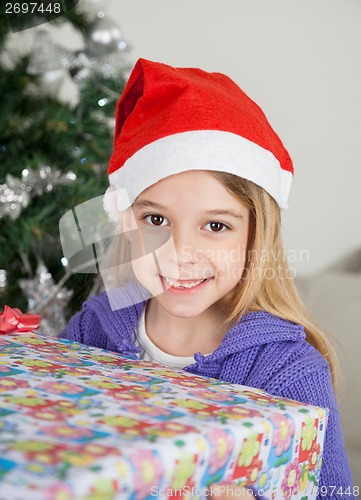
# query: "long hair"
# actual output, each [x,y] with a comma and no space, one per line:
[267,283]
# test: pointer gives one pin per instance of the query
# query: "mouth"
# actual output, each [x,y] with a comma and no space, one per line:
[185,285]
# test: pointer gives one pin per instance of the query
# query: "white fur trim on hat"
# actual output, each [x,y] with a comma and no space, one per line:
[201,150]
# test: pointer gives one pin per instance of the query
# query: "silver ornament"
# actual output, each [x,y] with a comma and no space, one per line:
[102,37]
[92,6]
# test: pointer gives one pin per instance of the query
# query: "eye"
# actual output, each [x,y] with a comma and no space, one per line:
[217,227]
[156,220]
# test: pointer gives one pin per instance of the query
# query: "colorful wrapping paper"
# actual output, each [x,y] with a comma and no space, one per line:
[79,422]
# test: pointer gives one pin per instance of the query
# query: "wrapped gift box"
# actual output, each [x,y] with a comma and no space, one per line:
[79,422]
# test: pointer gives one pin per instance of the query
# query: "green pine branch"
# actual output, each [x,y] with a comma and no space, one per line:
[38,130]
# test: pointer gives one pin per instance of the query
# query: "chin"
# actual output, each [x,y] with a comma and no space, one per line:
[181,310]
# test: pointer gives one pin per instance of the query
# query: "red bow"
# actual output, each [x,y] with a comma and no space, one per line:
[13,320]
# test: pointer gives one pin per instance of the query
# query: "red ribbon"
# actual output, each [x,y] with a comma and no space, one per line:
[13,320]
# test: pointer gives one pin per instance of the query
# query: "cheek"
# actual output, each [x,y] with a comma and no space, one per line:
[230,263]
[145,271]
[144,268]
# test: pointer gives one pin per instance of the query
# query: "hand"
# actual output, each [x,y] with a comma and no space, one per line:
[223,491]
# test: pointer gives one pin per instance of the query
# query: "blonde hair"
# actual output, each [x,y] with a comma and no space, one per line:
[267,283]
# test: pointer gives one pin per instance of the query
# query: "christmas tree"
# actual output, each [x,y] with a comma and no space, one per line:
[53,156]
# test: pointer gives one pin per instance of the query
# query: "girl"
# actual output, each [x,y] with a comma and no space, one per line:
[197,277]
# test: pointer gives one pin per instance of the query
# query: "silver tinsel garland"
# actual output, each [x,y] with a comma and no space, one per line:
[47,298]
[16,194]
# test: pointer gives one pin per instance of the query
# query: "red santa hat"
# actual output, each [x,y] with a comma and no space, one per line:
[170,120]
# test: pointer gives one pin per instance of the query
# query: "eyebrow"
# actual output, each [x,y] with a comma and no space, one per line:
[222,211]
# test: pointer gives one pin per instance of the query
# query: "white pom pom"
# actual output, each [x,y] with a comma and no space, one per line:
[110,204]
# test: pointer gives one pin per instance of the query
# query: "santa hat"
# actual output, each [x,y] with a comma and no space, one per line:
[170,120]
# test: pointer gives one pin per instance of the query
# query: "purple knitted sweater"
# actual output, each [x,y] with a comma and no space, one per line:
[260,351]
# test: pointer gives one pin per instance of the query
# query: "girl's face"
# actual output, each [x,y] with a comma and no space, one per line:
[196,234]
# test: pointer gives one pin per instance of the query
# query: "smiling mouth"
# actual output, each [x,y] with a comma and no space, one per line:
[183,284]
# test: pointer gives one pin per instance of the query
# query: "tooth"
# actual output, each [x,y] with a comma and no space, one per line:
[185,285]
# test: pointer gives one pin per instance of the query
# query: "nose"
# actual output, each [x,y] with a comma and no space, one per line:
[186,246]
